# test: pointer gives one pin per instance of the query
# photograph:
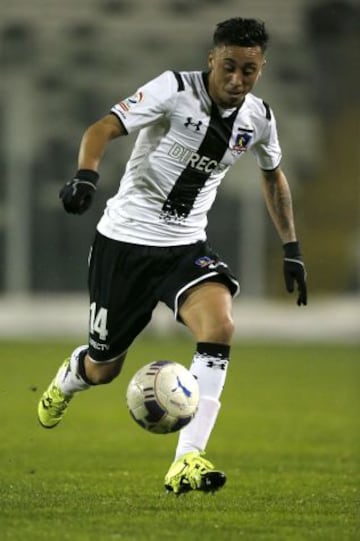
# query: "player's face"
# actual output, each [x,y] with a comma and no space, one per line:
[234,71]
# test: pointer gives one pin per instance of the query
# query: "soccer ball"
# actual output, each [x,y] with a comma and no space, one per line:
[163,397]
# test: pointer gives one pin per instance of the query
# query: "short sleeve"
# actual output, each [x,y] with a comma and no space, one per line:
[267,150]
[149,103]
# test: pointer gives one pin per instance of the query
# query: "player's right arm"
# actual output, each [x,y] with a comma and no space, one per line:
[143,108]
[77,194]
[95,139]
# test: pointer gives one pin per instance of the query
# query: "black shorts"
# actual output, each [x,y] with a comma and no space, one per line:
[126,281]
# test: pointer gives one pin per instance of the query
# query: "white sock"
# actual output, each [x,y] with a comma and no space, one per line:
[195,435]
[68,378]
[209,366]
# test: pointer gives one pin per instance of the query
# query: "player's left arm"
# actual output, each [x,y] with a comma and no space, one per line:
[278,200]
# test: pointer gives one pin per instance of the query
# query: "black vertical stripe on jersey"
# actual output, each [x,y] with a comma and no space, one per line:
[267,110]
[181,198]
[180,81]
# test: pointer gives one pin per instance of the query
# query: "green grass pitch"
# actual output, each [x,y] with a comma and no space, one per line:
[287,437]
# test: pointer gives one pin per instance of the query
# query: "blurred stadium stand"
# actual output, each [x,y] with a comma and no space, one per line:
[64,64]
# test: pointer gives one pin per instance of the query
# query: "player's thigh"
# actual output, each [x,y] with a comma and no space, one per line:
[121,297]
[201,275]
[207,311]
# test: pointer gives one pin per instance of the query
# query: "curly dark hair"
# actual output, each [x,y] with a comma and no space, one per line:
[241,32]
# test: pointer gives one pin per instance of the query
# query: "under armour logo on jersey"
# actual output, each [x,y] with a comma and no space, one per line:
[196,125]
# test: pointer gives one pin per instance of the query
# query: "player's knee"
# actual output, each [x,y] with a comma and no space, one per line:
[101,378]
[226,330]
[220,330]
[102,373]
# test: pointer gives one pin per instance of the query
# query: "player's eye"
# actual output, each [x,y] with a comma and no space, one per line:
[248,71]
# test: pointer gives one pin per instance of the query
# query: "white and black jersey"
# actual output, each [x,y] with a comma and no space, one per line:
[185,146]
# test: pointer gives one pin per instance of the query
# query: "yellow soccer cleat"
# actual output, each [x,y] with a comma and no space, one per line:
[53,403]
[193,472]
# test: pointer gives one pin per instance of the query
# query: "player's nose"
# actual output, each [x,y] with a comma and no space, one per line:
[236,80]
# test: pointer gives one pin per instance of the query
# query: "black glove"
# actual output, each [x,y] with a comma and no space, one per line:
[294,271]
[78,193]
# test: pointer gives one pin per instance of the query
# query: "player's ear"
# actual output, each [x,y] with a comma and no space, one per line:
[262,67]
[211,59]
[260,71]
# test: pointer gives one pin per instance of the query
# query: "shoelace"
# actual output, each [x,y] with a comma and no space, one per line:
[58,403]
[202,464]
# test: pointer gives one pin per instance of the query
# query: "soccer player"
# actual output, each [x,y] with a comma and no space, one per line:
[150,243]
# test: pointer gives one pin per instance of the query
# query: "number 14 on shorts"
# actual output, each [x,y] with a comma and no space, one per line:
[98,321]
